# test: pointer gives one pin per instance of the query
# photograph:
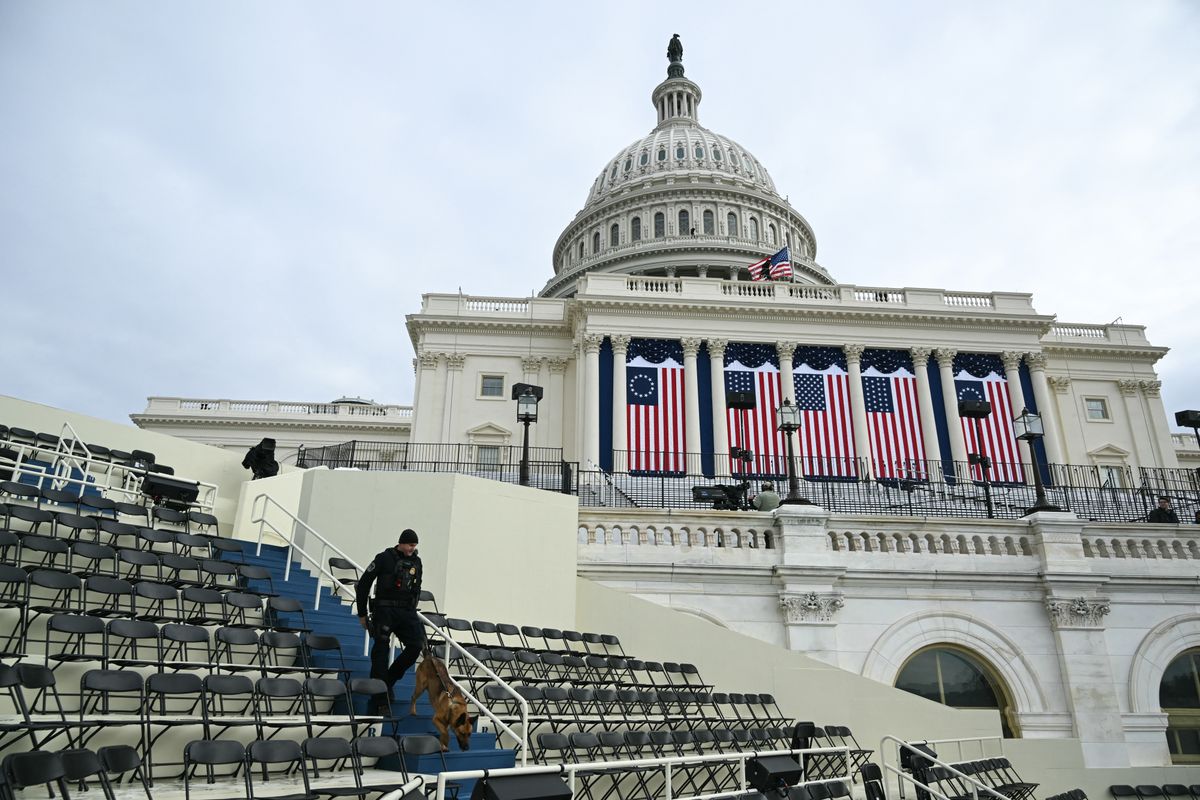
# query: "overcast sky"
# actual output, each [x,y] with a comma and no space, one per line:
[243,200]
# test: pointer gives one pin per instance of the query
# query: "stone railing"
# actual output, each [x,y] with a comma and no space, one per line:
[1185,441]
[460,305]
[659,528]
[270,408]
[1141,541]
[1113,334]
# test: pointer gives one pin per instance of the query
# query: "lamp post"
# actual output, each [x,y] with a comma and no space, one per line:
[1028,427]
[527,396]
[977,410]
[787,418]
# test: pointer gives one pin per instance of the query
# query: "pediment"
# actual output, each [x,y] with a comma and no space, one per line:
[1109,450]
[488,430]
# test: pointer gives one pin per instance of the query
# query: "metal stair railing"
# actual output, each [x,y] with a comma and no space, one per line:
[259,515]
[978,788]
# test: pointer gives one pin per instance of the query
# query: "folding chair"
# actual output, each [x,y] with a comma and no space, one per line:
[279,703]
[119,759]
[243,609]
[201,520]
[210,754]
[337,565]
[34,518]
[168,516]
[14,600]
[282,653]
[156,541]
[138,565]
[237,650]
[36,768]
[228,704]
[156,602]
[279,755]
[193,546]
[248,574]
[227,547]
[219,574]
[377,747]
[177,568]
[422,745]
[81,764]
[116,532]
[50,553]
[323,655]
[74,527]
[74,638]
[203,606]
[324,697]
[278,611]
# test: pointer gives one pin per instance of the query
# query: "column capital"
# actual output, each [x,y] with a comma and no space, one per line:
[620,343]
[920,355]
[853,351]
[716,347]
[691,346]
[1151,388]
[455,360]
[1078,612]
[429,359]
[785,350]
[590,343]
[1036,361]
[1060,383]
[557,365]
[945,357]
[531,363]
[810,607]
[1011,360]
[1129,387]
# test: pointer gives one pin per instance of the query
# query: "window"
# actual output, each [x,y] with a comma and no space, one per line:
[708,222]
[733,159]
[487,456]
[731,224]
[660,225]
[645,159]
[595,242]
[699,152]
[614,235]
[581,249]
[685,223]
[771,234]
[491,386]
[716,154]
[680,152]
[1179,696]
[754,228]
[955,677]
[635,229]
[613,174]
[662,154]
[1096,408]
[1111,477]
[629,163]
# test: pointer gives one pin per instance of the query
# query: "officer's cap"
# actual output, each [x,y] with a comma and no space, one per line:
[409,536]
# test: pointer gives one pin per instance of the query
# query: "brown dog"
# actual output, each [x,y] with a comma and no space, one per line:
[450,709]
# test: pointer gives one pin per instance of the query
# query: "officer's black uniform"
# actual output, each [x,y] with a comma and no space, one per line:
[397,580]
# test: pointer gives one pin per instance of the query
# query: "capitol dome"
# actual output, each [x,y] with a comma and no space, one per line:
[681,200]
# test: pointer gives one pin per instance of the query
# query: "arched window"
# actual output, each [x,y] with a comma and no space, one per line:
[662,154]
[595,242]
[644,159]
[581,249]
[716,154]
[613,173]
[731,224]
[685,222]
[680,151]
[629,163]
[708,222]
[635,229]
[699,152]
[955,677]
[754,228]
[660,225]
[1179,696]
[771,233]
[733,159]
[614,235]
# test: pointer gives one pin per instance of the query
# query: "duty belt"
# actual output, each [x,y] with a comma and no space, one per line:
[392,603]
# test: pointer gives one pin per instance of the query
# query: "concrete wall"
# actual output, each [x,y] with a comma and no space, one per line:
[191,461]
[491,550]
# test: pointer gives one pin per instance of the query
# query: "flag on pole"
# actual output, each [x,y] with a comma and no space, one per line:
[754,368]
[980,376]
[893,415]
[823,394]
[776,268]
[654,410]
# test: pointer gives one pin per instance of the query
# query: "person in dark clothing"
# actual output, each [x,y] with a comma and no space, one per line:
[1164,512]
[260,460]
[396,574]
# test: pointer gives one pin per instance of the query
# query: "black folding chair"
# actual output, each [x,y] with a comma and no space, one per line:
[210,754]
[281,756]
[36,768]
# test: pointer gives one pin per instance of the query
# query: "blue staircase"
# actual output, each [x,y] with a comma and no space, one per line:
[336,618]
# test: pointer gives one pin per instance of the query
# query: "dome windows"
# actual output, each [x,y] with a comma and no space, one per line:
[685,222]
[733,159]
[699,151]
[771,234]
[644,159]
[662,154]
[708,220]
[754,228]
[614,235]
[680,151]
[629,163]
[580,250]
[660,225]
[716,154]
[731,224]
[595,242]
[612,175]
[635,229]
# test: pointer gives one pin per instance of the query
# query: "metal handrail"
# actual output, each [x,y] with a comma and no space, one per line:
[258,515]
[666,762]
[413,784]
[978,788]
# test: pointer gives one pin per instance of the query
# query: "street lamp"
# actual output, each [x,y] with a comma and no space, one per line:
[977,410]
[527,396]
[787,418]
[1189,419]
[1028,428]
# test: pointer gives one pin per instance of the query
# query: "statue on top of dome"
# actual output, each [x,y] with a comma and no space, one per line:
[675,49]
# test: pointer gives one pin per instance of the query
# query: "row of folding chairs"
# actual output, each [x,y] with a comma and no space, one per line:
[996,774]
[1080,794]
[807,734]
[56,769]
[171,646]
[100,507]
[586,708]
[16,435]
[1167,791]
[529,637]
[22,521]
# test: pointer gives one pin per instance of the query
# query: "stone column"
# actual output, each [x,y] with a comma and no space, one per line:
[1046,407]
[958,445]
[1136,419]
[620,348]
[591,401]
[553,432]
[1160,429]
[1074,445]
[454,368]
[428,421]
[1016,396]
[691,404]
[785,351]
[858,407]
[929,438]
[716,360]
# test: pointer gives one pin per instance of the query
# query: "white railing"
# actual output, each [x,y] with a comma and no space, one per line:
[258,516]
[413,785]
[1185,441]
[978,788]
[872,295]
[159,405]
[504,305]
[668,764]
[1079,331]
[968,300]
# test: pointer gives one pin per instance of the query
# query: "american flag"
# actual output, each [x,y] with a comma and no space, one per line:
[893,416]
[981,377]
[823,395]
[777,267]
[755,368]
[654,409]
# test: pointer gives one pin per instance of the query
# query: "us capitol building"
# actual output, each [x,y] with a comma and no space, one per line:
[1074,624]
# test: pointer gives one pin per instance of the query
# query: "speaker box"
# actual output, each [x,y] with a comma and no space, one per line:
[546,786]
[161,487]
[740,400]
[974,409]
[1187,419]
[768,774]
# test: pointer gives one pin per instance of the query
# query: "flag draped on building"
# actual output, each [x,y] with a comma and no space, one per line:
[754,368]
[654,394]
[980,376]
[893,416]
[823,394]
[776,268]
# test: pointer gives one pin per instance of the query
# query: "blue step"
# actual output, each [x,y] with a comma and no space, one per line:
[336,618]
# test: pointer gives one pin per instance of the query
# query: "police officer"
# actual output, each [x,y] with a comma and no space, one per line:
[396,573]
